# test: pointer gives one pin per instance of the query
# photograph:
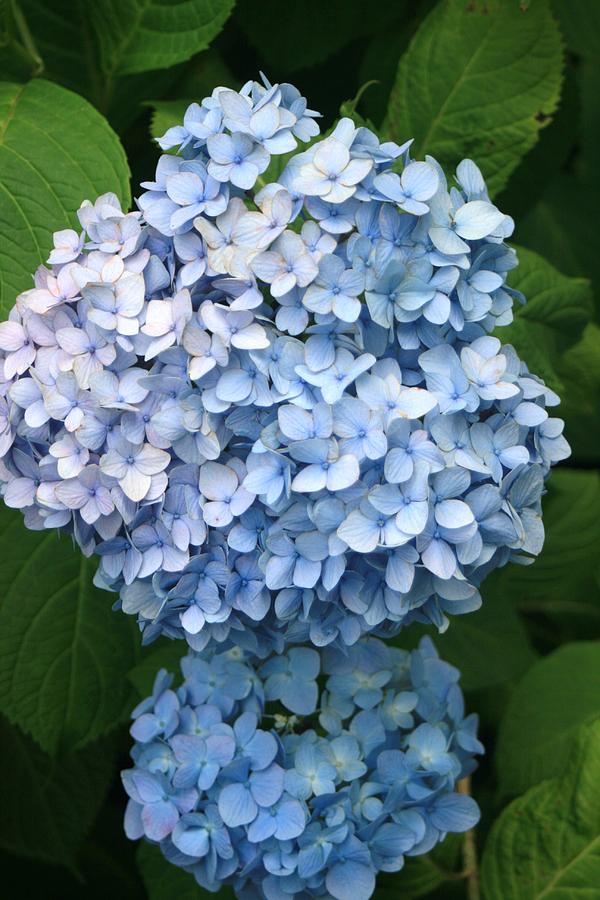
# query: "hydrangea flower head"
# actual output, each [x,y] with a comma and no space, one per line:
[251,774]
[273,407]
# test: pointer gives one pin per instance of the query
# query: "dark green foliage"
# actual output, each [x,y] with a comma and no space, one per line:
[86,88]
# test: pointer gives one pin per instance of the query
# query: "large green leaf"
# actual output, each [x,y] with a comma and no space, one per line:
[55,151]
[64,655]
[64,36]
[555,697]
[557,226]
[48,805]
[140,35]
[380,60]
[579,371]
[556,312]
[562,580]
[479,79]
[541,166]
[546,844]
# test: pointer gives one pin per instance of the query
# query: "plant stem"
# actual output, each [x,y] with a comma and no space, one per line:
[27,39]
[469,850]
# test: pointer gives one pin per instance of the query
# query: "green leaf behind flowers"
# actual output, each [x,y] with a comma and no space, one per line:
[55,150]
[557,695]
[476,644]
[579,370]
[48,805]
[553,318]
[141,35]
[546,844]
[164,654]
[311,31]
[64,655]
[478,80]
[563,579]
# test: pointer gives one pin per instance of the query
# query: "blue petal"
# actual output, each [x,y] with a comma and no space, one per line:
[350,881]
[236,805]
[454,812]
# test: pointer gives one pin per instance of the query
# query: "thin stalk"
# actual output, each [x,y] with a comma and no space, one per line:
[27,39]
[469,851]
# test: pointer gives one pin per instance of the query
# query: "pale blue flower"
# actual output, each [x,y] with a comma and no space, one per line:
[224,496]
[235,158]
[259,229]
[325,466]
[334,380]
[191,251]
[292,680]
[87,493]
[335,289]
[410,190]
[452,228]
[287,265]
[330,172]
[333,218]
[269,475]
[293,801]
[360,429]
[313,773]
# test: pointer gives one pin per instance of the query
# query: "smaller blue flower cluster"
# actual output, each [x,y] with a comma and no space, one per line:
[355,769]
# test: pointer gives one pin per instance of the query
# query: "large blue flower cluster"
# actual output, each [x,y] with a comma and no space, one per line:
[269,399]
[340,783]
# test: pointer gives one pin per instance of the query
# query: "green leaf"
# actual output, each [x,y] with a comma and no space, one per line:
[206,71]
[55,151]
[165,654]
[580,23]
[19,56]
[552,319]
[154,34]
[64,38]
[556,146]
[546,844]
[165,881]
[380,61]
[558,224]
[557,695]
[64,654]
[312,31]
[166,114]
[478,80]
[48,805]
[579,371]
[476,643]
[562,580]
[560,303]
[422,874]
